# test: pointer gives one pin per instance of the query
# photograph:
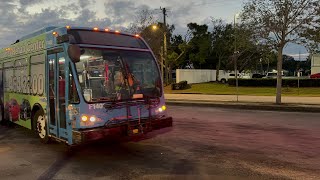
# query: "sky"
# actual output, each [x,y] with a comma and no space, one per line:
[19,17]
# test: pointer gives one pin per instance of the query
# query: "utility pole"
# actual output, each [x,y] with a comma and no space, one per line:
[299,73]
[164,11]
[235,56]
[161,64]
[299,56]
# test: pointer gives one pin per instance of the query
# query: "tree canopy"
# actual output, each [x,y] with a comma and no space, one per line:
[255,43]
[278,22]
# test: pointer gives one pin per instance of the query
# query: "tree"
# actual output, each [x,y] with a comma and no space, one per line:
[225,37]
[175,41]
[199,45]
[151,36]
[269,60]
[222,43]
[143,19]
[313,35]
[279,22]
[248,50]
[144,22]
[290,64]
[176,53]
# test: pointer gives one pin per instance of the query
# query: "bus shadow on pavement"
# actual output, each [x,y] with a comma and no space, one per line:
[124,160]
[107,156]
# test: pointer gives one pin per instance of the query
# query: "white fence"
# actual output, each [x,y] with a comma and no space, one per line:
[315,64]
[198,75]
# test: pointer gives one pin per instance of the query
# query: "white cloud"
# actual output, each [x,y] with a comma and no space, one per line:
[16,20]
[29,2]
[86,3]
[18,17]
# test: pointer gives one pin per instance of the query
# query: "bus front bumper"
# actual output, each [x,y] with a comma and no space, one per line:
[123,129]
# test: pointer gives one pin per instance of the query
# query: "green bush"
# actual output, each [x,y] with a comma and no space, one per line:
[180,86]
[273,82]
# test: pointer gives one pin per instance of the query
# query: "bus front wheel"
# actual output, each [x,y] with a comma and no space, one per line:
[40,126]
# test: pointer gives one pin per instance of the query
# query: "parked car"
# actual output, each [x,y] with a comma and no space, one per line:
[257,76]
[232,75]
[315,76]
[245,76]
[271,75]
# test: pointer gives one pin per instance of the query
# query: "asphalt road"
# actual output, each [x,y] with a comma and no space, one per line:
[205,143]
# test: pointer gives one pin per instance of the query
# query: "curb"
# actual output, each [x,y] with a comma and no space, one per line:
[248,106]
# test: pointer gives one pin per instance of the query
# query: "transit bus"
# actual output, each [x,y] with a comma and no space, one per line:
[74,85]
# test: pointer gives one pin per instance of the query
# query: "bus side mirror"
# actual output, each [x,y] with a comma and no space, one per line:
[74,52]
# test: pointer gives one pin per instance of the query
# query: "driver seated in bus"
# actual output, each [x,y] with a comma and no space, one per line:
[120,86]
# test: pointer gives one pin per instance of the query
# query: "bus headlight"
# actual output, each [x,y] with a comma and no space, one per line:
[93,119]
[161,109]
[84,118]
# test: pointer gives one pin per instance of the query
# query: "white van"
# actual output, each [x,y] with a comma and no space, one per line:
[224,78]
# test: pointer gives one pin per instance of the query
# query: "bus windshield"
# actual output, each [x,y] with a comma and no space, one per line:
[117,75]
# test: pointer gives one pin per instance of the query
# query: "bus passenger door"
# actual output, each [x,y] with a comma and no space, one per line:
[1,95]
[56,88]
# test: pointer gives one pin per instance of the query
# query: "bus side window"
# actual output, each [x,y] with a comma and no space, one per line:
[62,76]
[62,86]
[73,94]
[51,78]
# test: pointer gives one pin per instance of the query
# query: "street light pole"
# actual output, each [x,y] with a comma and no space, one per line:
[163,52]
[165,55]
[235,55]
[164,11]
[155,27]
[161,64]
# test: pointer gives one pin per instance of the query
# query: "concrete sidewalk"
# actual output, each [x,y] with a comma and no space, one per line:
[301,104]
[251,99]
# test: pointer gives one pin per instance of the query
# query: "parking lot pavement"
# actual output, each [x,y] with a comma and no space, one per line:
[204,143]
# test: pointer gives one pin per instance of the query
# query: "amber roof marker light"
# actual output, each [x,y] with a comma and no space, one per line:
[55,33]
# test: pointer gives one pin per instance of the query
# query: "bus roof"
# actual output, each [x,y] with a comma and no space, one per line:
[38,32]
[50,28]
[101,30]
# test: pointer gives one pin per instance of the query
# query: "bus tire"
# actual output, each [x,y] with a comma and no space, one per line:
[40,126]
[223,81]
